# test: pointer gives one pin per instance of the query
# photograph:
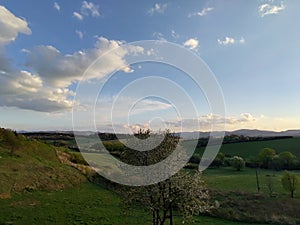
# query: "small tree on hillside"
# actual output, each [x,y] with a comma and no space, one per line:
[290,182]
[10,140]
[266,156]
[287,160]
[237,162]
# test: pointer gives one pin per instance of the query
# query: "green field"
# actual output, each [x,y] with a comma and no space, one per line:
[86,204]
[36,188]
[228,179]
[248,149]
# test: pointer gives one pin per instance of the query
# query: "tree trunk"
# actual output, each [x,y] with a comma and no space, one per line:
[171,215]
[257,181]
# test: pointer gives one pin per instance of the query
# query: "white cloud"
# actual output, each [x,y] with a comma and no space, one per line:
[229,40]
[20,88]
[25,90]
[79,33]
[191,43]
[203,12]
[205,122]
[78,15]
[61,70]
[11,26]
[56,6]
[45,89]
[268,9]
[89,8]
[158,8]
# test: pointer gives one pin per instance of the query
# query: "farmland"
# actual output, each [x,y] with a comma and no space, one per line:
[248,149]
[59,194]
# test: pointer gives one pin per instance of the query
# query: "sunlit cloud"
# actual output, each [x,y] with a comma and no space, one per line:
[269,9]
[11,26]
[191,43]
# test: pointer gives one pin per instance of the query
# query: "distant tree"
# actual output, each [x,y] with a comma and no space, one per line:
[287,160]
[219,160]
[10,140]
[184,191]
[290,182]
[237,162]
[276,163]
[270,185]
[266,156]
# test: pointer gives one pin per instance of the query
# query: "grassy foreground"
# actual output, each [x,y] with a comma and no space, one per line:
[85,204]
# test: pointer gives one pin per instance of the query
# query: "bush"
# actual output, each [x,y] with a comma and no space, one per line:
[237,162]
[77,158]
[290,182]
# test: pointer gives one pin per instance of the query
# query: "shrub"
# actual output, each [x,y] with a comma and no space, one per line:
[77,158]
[237,162]
[290,182]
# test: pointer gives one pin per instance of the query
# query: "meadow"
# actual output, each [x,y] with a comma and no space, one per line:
[36,188]
[248,149]
[84,204]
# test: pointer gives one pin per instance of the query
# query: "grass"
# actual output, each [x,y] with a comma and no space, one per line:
[239,199]
[248,149]
[35,166]
[228,179]
[35,188]
[85,204]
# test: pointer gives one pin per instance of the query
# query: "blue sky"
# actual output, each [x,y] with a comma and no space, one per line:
[252,47]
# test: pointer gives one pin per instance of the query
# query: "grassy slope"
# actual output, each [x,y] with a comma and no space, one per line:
[86,204]
[34,166]
[247,149]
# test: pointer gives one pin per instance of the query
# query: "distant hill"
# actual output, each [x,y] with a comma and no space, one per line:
[28,165]
[244,132]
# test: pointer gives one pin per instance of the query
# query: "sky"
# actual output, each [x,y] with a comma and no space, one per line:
[46,47]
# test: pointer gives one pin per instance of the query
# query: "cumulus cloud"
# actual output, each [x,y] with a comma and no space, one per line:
[205,122]
[79,33]
[61,70]
[23,89]
[77,15]
[191,43]
[11,26]
[56,6]
[203,12]
[158,8]
[270,9]
[229,40]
